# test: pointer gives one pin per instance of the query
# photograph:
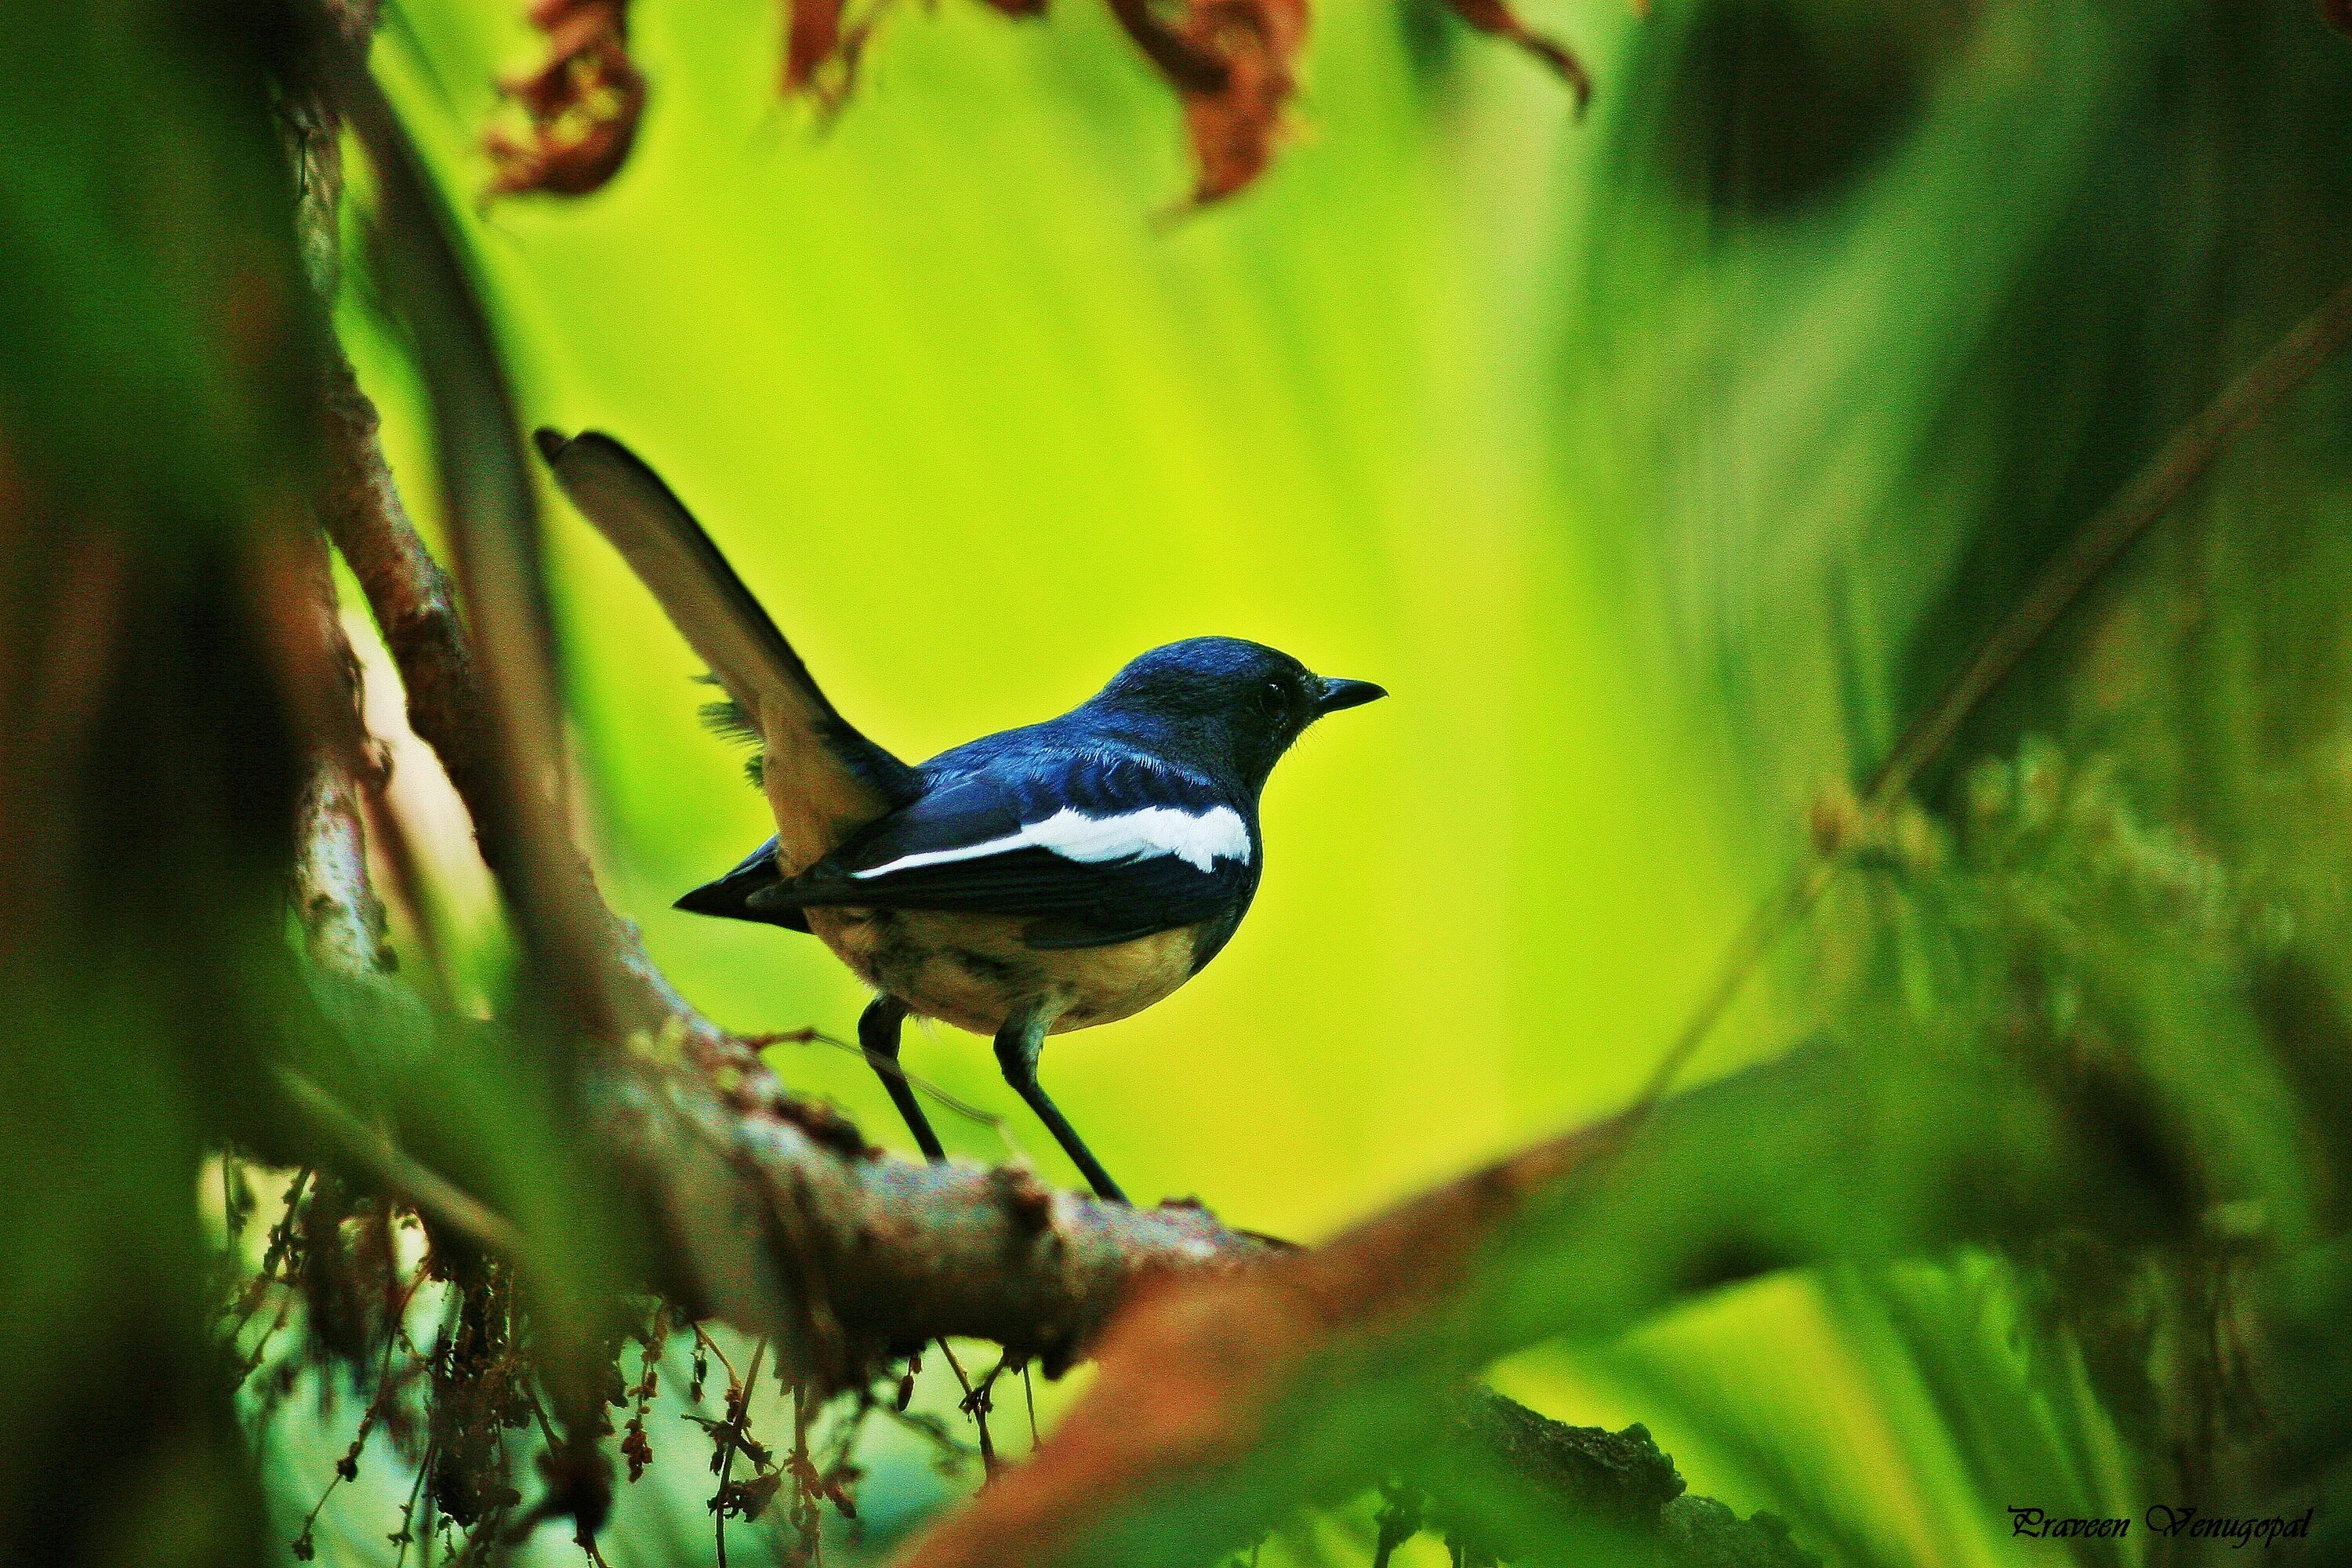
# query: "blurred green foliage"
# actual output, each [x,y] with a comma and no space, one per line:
[1664,467]
[979,426]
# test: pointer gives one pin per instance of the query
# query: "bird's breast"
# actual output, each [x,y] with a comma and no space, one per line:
[975,971]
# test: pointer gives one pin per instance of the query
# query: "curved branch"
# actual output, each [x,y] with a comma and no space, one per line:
[414,606]
[1220,1401]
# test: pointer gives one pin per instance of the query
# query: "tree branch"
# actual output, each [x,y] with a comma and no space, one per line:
[1218,1401]
[415,609]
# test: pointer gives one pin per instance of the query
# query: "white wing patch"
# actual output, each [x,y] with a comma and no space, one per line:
[1202,840]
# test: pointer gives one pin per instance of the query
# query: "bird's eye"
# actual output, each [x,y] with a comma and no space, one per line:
[1273,700]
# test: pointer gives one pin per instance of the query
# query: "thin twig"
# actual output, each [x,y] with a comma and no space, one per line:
[931,1430]
[974,1404]
[887,1066]
[396,1173]
[346,1468]
[408,1535]
[732,1433]
[2184,459]
[256,1292]
[261,1346]
[711,1345]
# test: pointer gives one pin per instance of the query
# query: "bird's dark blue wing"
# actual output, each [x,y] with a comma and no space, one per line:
[1092,845]
[729,897]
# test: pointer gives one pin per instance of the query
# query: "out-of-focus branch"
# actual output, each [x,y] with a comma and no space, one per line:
[515,784]
[374,1160]
[415,608]
[1218,1401]
[1194,1381]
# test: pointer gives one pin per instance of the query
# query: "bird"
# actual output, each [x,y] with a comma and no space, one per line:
[1045,879]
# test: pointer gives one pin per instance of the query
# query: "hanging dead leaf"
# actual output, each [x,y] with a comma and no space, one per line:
[1237,124]
[823,43]
[1187,66]
[1497,17]
[583,104]
[822,48]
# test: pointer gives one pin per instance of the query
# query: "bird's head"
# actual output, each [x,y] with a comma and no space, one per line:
[1226,701]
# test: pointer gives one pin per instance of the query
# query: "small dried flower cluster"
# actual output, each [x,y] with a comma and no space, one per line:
[582,104]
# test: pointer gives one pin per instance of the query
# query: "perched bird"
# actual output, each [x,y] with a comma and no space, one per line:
[1046,879]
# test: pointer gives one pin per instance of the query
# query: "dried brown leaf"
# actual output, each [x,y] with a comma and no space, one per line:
[823,43]
[583,104]
[1236,126]
[1497,18]
[820,53]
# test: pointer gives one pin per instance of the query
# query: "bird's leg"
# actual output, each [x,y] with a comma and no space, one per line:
[878,1033]
[1018,1045]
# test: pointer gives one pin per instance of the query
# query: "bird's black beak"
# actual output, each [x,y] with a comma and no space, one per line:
[1338,694]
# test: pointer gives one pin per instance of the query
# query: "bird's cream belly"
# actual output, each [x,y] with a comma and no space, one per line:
[973,970]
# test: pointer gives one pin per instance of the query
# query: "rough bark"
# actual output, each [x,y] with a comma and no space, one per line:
[1218,1404]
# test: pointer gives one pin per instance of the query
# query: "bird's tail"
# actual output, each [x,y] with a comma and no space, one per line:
[822,779]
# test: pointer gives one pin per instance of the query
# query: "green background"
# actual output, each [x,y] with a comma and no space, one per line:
[1661,465]
[979,422]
